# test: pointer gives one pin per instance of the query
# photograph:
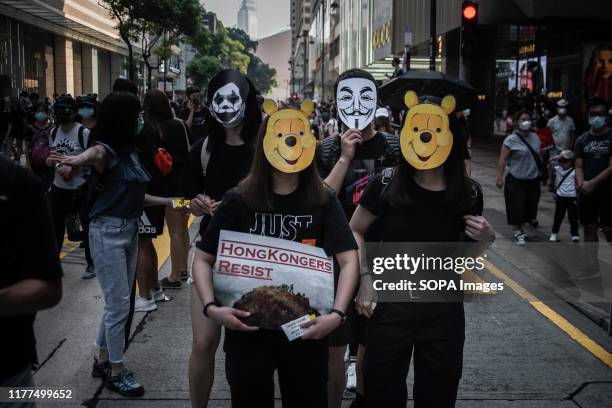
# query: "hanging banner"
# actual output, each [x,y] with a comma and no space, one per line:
[276,280]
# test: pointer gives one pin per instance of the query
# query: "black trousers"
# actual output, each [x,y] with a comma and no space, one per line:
[62,203]
[432,334]
[522,198]
[250,363]
[563,204]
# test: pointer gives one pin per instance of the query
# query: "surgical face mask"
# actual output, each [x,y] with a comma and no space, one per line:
[466,113]
[40,116]
[597,122]
[86,112]
[525,125]
[562,111]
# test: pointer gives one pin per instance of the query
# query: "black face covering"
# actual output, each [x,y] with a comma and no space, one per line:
[63,117]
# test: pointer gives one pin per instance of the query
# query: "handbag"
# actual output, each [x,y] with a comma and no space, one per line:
[541,166]
[163,161]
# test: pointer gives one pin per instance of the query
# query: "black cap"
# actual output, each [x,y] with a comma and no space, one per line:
[66,103]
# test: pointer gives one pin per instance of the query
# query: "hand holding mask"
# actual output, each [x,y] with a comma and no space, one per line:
[289,144]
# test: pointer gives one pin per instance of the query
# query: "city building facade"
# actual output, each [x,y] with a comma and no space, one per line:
[275,50]
[247,18]
[300,11]
[58,46]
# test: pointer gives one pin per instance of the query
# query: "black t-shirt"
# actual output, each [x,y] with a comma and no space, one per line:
[226,167]
[198,126]
[368,161]
[595,152]
[427,219]
[29,251]
[323,226]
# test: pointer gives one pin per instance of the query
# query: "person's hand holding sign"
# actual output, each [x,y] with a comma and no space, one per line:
[230,318]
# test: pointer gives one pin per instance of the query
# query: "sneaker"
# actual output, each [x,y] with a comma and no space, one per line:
[553,237]
[89,273]
[144,305]
[519,238]
[575,238]
[125,384]
[160,296]
[184,275]
[168,284]
[100,369]
[351,376]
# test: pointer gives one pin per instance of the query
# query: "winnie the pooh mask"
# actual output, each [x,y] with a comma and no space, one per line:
[426,139]
[289,144]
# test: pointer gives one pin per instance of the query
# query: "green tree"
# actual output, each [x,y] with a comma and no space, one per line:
[125,12]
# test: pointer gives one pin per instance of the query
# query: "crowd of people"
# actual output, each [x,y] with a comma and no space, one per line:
[543,150]
[115,171]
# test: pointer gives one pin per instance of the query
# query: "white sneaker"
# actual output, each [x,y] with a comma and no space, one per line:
[160,296]
[144,305]
[575,238]
[519,238]
[351,376]
[553,237]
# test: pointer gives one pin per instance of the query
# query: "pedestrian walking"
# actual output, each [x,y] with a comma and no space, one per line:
[413,204]
[214,166]
[519,172]
[563,132]
[37,136]
[565,195]
[277,189]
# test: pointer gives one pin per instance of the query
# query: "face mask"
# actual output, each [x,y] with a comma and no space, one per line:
[289,145]
[227,93]
[597,122]
[40,116]
[356,101]
[86,112]
[525,125]
[426,139]
[63,117]
[466,113]
[562,111]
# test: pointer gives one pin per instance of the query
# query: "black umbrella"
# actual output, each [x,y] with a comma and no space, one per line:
[427,83]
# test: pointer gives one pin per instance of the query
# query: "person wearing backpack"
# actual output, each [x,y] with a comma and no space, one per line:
[36,136]
[348,161]
[520,160]
[565,194]
[67,191]
[215,165]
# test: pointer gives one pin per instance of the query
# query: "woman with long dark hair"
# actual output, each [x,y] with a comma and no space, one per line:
[428,198]
[287,192]
[215,165]
[116,199]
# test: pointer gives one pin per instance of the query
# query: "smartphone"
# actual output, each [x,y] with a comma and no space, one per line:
[180,203]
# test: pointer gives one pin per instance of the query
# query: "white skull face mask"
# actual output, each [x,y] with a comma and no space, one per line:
[227,105]
[356,102]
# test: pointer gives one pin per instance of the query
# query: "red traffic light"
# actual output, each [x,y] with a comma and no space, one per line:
[470,11]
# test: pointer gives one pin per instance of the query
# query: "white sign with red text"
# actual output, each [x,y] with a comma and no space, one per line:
[277,280]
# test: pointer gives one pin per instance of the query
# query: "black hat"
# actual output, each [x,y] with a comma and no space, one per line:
[66,103]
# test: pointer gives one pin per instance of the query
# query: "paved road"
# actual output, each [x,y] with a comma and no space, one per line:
[518,352]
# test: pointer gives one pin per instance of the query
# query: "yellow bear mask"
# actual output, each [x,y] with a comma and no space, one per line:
[289,144]
[426,139]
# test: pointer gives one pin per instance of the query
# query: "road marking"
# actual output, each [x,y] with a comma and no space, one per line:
[585,341]
[68,247]
[162,244]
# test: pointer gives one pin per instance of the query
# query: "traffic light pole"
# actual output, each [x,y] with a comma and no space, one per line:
[432,36]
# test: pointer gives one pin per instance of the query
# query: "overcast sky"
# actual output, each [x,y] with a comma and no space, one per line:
[272,15]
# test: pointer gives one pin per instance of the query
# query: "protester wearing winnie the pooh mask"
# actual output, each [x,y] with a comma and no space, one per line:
[215,165]
[427,198]
[282,185]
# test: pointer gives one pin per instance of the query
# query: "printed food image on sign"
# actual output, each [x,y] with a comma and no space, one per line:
[276,280]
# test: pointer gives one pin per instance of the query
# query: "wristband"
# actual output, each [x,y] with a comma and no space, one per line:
[206,306]
[339,313]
